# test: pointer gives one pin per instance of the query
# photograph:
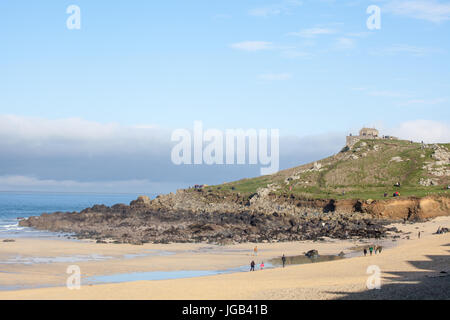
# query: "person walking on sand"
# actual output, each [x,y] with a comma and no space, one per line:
[261,266]
[379,249]
[255,251]
[371,250]
[365,252]
[419,234]
[283,259]
[252,266]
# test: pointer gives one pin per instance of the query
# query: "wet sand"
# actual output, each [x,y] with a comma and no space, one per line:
[327,280]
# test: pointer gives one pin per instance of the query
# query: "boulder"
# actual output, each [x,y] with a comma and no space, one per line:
[312,254]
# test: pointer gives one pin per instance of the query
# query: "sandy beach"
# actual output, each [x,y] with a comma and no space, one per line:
[410,269]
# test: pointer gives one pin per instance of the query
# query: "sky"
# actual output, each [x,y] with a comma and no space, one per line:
[92,109]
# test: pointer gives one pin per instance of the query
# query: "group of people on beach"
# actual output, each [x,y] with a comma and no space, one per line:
[261,266]
[253,264]
[373,249]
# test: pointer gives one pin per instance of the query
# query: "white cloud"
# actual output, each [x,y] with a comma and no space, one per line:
[423,130]
[275,76]
[430,10]
[36,128]
[252,45]
[313,32]
[38,154]
[79,135]
[30,183]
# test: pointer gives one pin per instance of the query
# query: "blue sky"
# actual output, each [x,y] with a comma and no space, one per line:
[309,68]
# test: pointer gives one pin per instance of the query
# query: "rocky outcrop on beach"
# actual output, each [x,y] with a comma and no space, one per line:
[202,216]
[138,224]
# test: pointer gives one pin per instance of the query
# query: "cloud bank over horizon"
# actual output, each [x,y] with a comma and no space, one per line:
[76,155]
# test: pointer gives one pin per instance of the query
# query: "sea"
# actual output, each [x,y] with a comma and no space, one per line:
[18,205]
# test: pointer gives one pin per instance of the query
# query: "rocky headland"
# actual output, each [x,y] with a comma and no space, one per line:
[191,216]
[346,195]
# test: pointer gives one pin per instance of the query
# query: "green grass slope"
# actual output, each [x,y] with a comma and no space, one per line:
[366,171]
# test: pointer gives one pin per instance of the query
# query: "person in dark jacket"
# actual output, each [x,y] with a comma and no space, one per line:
[252,266]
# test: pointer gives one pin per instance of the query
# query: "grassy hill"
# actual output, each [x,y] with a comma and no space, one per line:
[366,171]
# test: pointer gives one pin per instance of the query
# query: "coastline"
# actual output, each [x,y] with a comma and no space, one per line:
[316,279]
[17,206]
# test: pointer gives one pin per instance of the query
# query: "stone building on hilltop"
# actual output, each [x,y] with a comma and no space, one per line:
[365,134]
[369,133]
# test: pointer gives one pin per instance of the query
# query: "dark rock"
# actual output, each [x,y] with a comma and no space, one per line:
[139,223]
[312,254]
